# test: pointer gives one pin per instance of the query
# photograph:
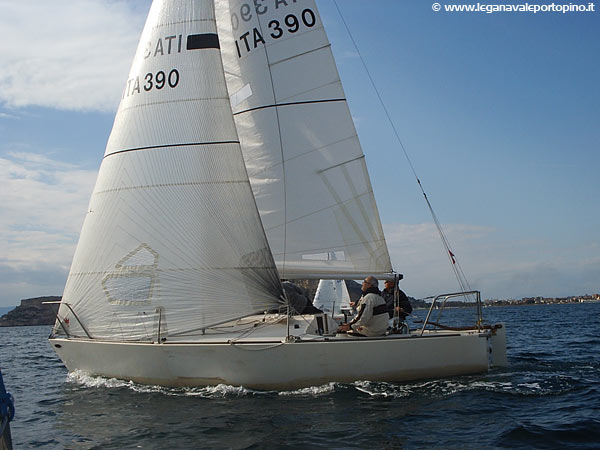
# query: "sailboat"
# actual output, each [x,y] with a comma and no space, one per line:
[332,297]
[233,163]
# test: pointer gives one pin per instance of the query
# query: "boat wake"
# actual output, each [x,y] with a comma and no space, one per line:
[524,378]
[312,391]
[92,381]
[434,389]
[84,379]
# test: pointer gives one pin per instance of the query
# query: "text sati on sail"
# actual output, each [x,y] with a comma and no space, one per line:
[163,46]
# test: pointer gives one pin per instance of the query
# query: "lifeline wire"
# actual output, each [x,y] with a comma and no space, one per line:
[458,272]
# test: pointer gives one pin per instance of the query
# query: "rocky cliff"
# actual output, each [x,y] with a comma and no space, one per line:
[31,312]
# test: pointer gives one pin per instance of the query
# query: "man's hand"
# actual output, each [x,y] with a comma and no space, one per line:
[344,328]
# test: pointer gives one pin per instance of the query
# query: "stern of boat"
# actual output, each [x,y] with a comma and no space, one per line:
[498,346]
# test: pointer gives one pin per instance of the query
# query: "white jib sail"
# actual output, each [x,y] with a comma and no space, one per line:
[301,149]
[332,296]
[172,223]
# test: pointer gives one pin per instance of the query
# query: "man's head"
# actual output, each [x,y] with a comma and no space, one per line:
[389,284]
[368,282]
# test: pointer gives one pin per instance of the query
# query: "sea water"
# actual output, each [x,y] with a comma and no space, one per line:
[547,397]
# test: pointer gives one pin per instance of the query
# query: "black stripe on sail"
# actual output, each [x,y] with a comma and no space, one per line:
[307,102]
[155,147]
[201,41]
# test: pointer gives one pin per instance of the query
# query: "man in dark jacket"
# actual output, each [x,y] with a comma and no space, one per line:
[404,307]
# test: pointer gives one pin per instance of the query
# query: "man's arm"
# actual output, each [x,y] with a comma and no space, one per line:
[364,314]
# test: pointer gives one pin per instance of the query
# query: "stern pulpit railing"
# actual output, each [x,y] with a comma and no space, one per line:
[434,304]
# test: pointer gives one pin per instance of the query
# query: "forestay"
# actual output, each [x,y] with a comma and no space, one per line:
[172,221]
[301,149]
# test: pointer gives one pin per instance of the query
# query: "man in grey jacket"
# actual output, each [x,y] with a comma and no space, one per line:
[371,312]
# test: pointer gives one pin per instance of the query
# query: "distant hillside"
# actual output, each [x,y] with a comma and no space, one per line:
[5,309]
[31,312]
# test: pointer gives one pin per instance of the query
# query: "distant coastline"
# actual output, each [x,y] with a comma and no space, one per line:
[587,298]
[595,298]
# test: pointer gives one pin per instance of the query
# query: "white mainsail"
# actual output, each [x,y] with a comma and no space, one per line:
[300,145]
[172,224]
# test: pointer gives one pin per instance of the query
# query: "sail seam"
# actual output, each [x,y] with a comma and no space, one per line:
[308,91]
[290,104]
[152,147]
[179,22]
[166,102]
[341,164]
[162,185]
[181,269]
[299,54]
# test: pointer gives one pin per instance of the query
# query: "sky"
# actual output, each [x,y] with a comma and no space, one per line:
[499,114]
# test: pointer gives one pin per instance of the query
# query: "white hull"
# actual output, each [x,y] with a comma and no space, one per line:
[264,363]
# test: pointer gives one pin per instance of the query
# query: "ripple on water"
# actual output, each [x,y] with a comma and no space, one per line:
[580,434]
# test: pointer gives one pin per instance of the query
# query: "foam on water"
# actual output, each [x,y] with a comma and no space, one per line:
[312,391]
[432,389]
[382,389]
[93,381]
[221,390]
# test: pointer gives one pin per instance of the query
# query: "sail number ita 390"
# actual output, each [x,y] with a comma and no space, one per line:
[247,40]
[151,81]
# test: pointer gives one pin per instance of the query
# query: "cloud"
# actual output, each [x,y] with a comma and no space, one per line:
[418,253]
[43,207]
[40,282]
[494,262]
[66,54]
[4,115]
